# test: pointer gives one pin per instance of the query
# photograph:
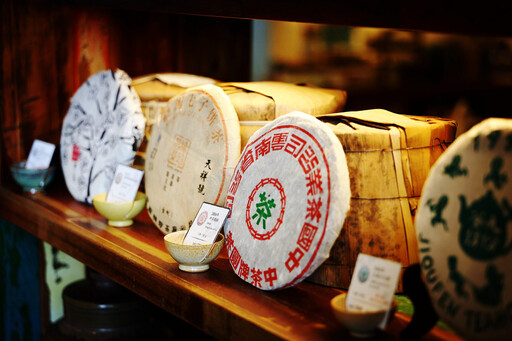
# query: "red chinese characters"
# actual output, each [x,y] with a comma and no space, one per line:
[247,160]
[293,170]
[243,271]
[263,148]
[295,145]
[235,182]
[307,234]
[270,276]
[234,258]
[279,140]
[294,258]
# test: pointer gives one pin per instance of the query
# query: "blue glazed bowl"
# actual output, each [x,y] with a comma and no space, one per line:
[31,180]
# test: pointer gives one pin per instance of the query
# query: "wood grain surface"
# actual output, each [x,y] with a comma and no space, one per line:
[216,301]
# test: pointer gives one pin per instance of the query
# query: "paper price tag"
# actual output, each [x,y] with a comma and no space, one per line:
[40,155]
[207,224]
[373,284]
[125,185]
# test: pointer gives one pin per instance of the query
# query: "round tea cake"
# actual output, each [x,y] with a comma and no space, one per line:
[289,195]
[464,230]
[102,129]
[191,156]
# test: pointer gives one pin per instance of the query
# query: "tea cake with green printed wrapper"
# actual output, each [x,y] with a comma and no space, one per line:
[102,129]
[191,156]
[388,157]
[464,229]
[288,197]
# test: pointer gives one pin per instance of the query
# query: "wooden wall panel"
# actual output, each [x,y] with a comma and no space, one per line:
[148,42]
[215,47]
[29,88]
[49,50]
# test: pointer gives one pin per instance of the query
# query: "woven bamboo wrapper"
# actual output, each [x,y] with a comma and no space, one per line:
[389,157]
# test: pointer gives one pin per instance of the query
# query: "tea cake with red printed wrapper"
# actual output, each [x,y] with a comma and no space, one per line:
[288,197]
[389,157]
[191,156]
[464,229]
[102,129]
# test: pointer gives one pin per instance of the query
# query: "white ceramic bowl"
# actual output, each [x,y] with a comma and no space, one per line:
[359,323]
[192,258]
[119,213]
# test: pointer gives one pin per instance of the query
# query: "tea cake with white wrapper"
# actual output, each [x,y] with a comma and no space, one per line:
[155,90]
[191,156]
[288,197]
[389,157]
[464,232]
[102,129]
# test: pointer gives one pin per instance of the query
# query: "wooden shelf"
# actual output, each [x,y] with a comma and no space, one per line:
[456,16]
[216,301]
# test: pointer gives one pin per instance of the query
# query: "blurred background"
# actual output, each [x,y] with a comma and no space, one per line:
[466,78]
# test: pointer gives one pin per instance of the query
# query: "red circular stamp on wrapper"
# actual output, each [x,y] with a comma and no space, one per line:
[281,199]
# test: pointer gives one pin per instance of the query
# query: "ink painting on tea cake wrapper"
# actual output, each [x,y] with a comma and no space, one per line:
[190,157]
[102,129]
[289,195]
[464,229]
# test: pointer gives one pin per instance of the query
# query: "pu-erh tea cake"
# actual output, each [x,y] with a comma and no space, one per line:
[289,195]
[102,129]
[464,229]
[191,156]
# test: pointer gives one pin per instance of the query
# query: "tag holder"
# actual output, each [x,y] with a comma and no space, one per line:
[424,317]
[218,228]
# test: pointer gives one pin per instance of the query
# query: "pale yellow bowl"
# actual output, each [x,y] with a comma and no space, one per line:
[119,213]
[359,323]
[192,258]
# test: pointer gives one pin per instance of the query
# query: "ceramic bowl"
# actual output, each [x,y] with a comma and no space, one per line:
[192,258]
[359,323]
[119,213]
[31,180]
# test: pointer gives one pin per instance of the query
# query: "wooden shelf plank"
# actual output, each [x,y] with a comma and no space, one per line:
[456,16]
[216,301]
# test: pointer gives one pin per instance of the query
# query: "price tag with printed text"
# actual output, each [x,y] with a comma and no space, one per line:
[40,155]
[207,224]
[373,284]
[125,185]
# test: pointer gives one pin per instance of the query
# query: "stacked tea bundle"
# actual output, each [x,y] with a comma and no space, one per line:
[389,157]
[257,103]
